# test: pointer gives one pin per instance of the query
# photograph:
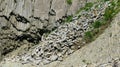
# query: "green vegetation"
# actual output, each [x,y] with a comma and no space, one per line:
[88,36]
[99,26]
[69,2]
[109,12]
[86,8]
[69,18]
[84,61]
[106,0]
[93,34]
[112,10]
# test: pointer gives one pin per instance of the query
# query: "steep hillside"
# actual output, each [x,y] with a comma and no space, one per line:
[59,33]
[28,21]
[103,52]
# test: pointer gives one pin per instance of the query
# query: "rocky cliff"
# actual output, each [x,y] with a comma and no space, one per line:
[29,19]
[50,29]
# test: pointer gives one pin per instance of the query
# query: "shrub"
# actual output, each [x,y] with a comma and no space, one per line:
[110,11]
[88,36]
[86,7]
[68,19]
[69,2]
[106,0]
[97,24]
[100,25]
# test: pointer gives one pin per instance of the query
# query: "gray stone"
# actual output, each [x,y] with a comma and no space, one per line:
[37,24]
[60,7]
[45,61]
[41,8]
[23,8]
[53,57]
[6,7]
[4,24]
[76,5]
[20,26]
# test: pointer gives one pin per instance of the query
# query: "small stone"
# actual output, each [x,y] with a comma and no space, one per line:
[53,57]
[60,59]
[37,62]
[22,26]
[45,61]
[72,47]
[59,54]
[52,12]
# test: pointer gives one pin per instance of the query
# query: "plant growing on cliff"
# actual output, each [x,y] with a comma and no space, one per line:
[88,36]
[96,24]
[100,25]
[69,2]
[109,13]
[86,7]
[106,0]
[69,18]
[112,10]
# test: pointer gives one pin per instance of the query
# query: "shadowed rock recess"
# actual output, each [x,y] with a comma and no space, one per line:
[50,30]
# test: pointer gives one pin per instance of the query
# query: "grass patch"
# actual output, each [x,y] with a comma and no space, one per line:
[69,18]
[69,2]
[112,10]
[106,0]
[97,24]
[86,8]
[88,36]
[109,12]
[101,25]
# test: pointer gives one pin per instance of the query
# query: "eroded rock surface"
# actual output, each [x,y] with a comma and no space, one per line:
[63,40]
[42,23]
[30,19]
